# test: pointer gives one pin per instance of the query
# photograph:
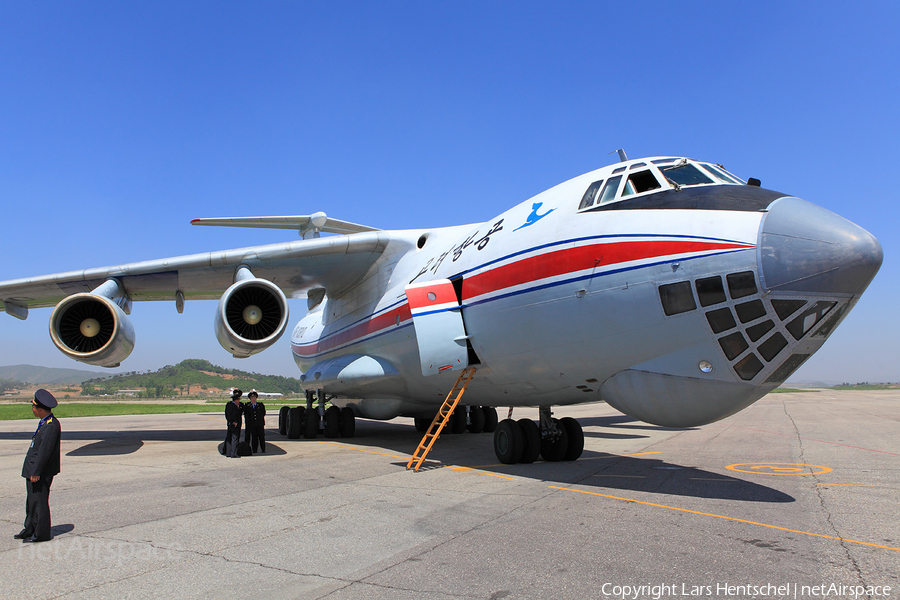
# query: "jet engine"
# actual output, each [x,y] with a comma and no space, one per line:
[92,328]
[251,316]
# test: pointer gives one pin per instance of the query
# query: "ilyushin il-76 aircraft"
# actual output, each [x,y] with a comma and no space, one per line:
[667,287]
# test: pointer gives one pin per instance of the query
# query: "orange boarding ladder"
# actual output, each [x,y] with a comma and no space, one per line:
[441,418]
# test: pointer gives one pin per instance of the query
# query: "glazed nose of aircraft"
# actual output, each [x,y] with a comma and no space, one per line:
[806,248]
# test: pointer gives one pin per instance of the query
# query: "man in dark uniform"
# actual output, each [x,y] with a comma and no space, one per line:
[233,412]
[255,421]
[41,464]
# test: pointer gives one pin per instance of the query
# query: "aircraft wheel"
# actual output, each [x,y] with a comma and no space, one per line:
[332,422]
[576,438]
[490,419]
[476,420]
[458,419]
[348,422]
[294,422]
[311,424]
[531,435]
[509,442]
[422,424]
[282,419]
[556,450]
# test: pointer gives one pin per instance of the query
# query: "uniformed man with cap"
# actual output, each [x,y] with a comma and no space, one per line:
[233,412]
[255,422]
[41,464]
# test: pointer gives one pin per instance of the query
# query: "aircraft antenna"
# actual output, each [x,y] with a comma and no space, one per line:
[622,156]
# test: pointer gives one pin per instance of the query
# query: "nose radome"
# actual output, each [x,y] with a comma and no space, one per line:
[806,248]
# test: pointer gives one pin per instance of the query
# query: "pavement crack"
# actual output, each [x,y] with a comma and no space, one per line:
[819,489]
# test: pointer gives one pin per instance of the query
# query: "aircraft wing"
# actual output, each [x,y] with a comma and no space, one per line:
[303,223]
[332,263]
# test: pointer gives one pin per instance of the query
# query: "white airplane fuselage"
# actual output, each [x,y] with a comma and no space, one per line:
[566,301]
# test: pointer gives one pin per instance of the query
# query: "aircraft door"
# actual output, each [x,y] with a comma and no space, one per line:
[437,319]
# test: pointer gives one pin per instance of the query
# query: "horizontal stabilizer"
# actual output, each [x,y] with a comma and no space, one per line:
[316,222]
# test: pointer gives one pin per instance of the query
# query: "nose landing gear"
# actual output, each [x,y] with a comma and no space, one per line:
[522,440]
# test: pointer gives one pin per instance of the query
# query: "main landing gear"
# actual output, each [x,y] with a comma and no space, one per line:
[310,420]
[474,419]
[523,441]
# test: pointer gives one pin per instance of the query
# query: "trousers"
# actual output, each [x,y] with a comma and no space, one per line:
[255,436]
[37,507]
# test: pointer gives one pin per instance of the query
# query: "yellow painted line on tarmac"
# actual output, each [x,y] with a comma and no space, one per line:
[452,468]
[366,451]
[853,484]
[696,512]
[581,459]
[478,471]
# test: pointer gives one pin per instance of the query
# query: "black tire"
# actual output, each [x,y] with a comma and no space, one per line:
[490,419]
[458,419]
[422,424]
[556,451]
[576,438]
[311,424]
[348,422]
[476,419]
[508,442]
[294,422]
[332,422]
[282,420]
[531,436]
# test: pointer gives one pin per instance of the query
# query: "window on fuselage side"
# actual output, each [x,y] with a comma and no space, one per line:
[590,195]
[677,298]
[640,182]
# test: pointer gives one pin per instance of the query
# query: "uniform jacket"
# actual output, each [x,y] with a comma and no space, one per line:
[233,415]
[255,417]
[43,455]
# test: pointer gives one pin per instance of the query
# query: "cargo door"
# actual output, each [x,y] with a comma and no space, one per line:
[437,319]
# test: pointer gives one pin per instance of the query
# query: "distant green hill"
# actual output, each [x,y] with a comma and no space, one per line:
[192,372]
[45,375]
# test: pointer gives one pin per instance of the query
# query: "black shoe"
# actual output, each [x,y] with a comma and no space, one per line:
[22,535]
[35,540]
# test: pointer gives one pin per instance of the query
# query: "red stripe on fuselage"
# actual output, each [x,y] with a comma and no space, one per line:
[534,268]
[569,260]
[360,330]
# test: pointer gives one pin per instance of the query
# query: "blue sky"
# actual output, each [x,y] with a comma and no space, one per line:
[120,122]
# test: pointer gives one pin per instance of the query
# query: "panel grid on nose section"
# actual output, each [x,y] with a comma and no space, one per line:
[744,344]
[749,326]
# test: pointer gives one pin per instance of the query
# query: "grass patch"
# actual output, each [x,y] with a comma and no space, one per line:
[867,386]
[14,412]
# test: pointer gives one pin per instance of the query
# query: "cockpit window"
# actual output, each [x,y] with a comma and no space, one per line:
[640,182]
[609,192]
[590,195]
[685,174]
[722,174]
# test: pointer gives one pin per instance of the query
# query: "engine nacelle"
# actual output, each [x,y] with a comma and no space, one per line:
[92,329]
[251,316]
